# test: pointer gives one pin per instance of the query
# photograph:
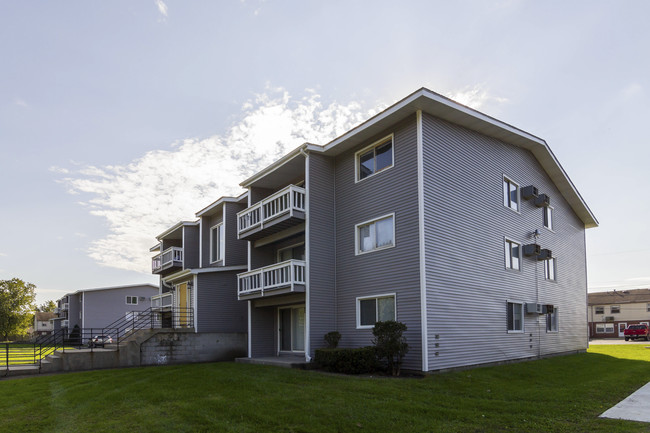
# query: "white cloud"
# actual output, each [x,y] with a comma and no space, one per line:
[474,96]
[162,8]
[20,103]
[142,199]
[3,255]
[59,170]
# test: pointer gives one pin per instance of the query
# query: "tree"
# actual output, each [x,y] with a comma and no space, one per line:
[47,307]
[16,306]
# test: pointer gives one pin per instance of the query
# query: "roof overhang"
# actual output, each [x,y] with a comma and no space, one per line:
[215,206]
[276,174]
[175,231]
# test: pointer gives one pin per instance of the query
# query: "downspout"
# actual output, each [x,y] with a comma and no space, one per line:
[307,261]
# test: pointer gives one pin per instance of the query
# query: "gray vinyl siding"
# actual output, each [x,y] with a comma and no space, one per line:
[395,270]
[217,307]
[465,225]
[191,247]
[103,307]
[236,250]
[207,223]
[322,249]
[263,331]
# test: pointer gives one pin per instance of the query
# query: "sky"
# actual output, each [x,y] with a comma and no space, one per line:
[120,118]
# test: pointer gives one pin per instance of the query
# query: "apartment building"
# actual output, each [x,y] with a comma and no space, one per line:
[611,312]
[465,228]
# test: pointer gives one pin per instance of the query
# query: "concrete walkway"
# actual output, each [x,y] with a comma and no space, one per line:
[634,408]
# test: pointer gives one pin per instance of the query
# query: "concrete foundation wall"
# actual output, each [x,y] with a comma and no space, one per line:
[186,347]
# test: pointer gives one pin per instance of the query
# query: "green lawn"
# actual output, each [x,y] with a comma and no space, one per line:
[562,394]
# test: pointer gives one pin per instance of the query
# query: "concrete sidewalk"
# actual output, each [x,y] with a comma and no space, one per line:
[634,408]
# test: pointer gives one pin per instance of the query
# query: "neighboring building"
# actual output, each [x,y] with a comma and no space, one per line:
[97,308]
[611,312]
[43,324]
[462,227]
[198,264]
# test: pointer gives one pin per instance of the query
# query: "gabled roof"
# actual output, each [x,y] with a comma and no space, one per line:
[214,205]
[175,227]
[44,316]
[451,111]
[619,297]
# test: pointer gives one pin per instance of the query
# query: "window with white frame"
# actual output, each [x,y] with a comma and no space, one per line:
[512,251]
[515,316]
[599,310]
[375,309]
[615,309]
[647,308]
[604,328]
[510,194]
[549,269]
[548,217]
[374,158]
[217,243]
[375,235]
[132,300]
[552,320]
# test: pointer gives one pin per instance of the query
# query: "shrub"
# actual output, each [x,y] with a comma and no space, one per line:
[347,361]
[332,339]
[390,344]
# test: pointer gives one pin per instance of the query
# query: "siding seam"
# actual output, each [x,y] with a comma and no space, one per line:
[423,277]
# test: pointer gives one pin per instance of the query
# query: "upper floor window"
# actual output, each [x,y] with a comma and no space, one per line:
[510,194]
[295,252]
[552,321]
[549,269]
[132,300]
[512,250]
[375,309]
[600,310]
[376,234]
[374,158]
[515,316]
[647,308]
[548,217]
[217,243]
[615,309]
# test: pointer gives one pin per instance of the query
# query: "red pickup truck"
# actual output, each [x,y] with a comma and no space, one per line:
[636,331]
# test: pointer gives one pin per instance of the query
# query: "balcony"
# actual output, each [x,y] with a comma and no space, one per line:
[281,278]
[282,210]
[170,258]
[162,302]
[64,307]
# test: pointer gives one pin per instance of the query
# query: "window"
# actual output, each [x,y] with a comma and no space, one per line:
[296,252]
[552,320]
[375,309]
[548,217]
[374,158]
[515,317]
[647,307]
[132,300]
[604,328]
[510,194]
[600,310]
[217,243]
[615,309]
[512,254]
[549,269]
[375,235]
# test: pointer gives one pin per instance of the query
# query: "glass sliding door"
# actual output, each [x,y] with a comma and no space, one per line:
[292,329]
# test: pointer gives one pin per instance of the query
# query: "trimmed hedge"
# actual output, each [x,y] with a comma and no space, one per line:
[347,361]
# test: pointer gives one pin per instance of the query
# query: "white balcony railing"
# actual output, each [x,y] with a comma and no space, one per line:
[169,256]
[161,301]
[64,323]
[287,200]
[64,307]
[280,275]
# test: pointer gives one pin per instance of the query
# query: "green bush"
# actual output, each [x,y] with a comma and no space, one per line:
[332,339]
[347,361]
[390,344]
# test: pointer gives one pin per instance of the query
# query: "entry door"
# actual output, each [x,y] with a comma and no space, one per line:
[621,329]
[183,304]
[292,329]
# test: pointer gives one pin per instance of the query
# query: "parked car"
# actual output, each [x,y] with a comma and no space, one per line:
[636,331]
[100,341]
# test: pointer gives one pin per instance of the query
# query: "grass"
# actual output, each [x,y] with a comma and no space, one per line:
[24,354]
[562,394]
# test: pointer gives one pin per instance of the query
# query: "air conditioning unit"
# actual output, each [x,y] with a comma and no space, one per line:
[545,254]
[532,250]
[533,308]
[529,192]
[542,200]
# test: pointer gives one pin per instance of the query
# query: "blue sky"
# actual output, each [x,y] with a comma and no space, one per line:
[119,118]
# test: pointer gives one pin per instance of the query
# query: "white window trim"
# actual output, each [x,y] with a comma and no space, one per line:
[552,209]
[358,154]
[523,316]
[596,309]
[126,300]
[557,321]
[506,240]
[357,250]
[613,312]
[277,256]
[518,185]
[222,243]
[604,325]
[554,261]
[363,298]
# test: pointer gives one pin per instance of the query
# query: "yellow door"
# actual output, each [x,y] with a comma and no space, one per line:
[183,302]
